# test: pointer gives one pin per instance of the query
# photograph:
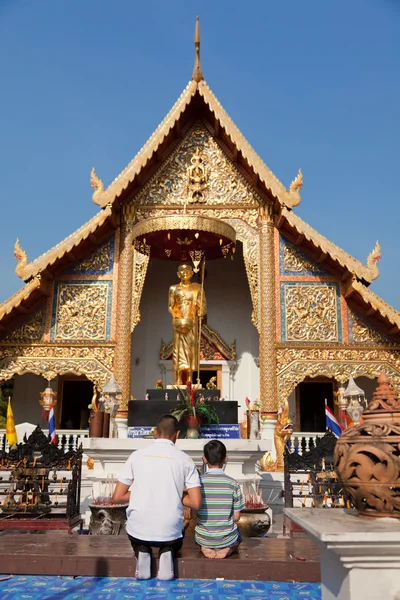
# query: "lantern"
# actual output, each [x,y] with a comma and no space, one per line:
[48,398]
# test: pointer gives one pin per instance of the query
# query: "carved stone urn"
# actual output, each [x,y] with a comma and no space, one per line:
[367,456]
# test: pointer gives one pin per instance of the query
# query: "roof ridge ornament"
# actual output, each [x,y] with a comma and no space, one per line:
[372,261]
[97,185]
[294,197]
[21,257]
[197,72]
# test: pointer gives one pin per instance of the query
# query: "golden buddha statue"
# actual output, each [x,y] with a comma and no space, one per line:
[187,304]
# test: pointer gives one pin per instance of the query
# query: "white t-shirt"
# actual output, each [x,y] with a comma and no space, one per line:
[158,474]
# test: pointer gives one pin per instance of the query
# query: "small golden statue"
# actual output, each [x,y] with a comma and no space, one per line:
[187,305]
[212,384]
[283,431]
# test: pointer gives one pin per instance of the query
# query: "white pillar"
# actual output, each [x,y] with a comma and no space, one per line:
[122,427]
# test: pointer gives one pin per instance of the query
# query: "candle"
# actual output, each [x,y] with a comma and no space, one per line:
[69,463]
[323,464]
[34,461]
[20,499]
[42,483]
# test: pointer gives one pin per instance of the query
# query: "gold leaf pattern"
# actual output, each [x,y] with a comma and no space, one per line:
[81,311]
[311,313]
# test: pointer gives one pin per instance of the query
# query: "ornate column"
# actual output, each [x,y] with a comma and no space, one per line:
[123,349]
[268,379]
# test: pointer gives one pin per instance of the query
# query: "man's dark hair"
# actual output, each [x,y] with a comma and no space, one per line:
[167,426]
[215,453]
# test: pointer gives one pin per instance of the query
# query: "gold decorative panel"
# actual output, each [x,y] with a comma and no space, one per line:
[81,311]
[50,360]
[31,331]
[140,264]
[98,262]
[293,261]
[223,184]
[295,364]
[310,313]
[362,333]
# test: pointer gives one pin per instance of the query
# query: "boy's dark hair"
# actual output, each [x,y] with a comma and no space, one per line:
[167,426]
[215,452]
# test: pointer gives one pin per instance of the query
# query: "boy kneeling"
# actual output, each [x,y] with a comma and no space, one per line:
[216,531]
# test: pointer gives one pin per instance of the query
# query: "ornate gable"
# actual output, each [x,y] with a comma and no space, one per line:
[220,183]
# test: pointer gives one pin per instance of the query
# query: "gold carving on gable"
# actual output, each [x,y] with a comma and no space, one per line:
[81,311]
[311,313]
[197,175]
[30,331]
[295,364]
[99,261]
[172,182]
[295,261]
[362,333]
[140,264]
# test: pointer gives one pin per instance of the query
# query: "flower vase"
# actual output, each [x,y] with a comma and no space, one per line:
[193,423]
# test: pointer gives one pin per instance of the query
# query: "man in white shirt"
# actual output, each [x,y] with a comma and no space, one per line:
[158,475]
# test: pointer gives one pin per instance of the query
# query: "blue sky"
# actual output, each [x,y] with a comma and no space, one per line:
[310,84]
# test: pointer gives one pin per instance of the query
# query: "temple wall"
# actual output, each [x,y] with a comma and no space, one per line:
[228,312]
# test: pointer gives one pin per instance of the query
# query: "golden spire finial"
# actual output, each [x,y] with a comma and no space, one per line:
[197,72]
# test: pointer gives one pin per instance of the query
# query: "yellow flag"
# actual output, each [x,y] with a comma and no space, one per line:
[11,434]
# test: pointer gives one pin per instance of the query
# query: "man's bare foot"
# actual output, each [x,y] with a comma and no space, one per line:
[208,552]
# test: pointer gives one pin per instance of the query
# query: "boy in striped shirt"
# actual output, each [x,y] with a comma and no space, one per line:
[216,531]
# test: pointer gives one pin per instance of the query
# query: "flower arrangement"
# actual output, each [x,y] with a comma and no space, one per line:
[191,402]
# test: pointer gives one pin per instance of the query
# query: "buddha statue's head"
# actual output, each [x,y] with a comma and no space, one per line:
[185,272]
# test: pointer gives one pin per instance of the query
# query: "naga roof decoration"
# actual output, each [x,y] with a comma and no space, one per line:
[366,273]
[28,270]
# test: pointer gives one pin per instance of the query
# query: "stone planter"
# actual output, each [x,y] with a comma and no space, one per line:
[107,519]
[254,522]
[367,458]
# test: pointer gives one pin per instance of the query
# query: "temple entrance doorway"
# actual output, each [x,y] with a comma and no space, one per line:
[310,401]
[75,394]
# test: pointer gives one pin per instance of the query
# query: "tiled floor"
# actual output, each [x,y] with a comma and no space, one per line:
[112,588]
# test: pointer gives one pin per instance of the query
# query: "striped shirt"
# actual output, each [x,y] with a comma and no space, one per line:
[221,496]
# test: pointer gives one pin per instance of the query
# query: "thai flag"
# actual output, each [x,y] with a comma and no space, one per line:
[52,426]
[331,421]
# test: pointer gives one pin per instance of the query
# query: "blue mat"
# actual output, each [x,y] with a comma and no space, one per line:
[20,587]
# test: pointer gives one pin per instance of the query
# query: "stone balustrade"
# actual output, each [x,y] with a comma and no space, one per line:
[303,441]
